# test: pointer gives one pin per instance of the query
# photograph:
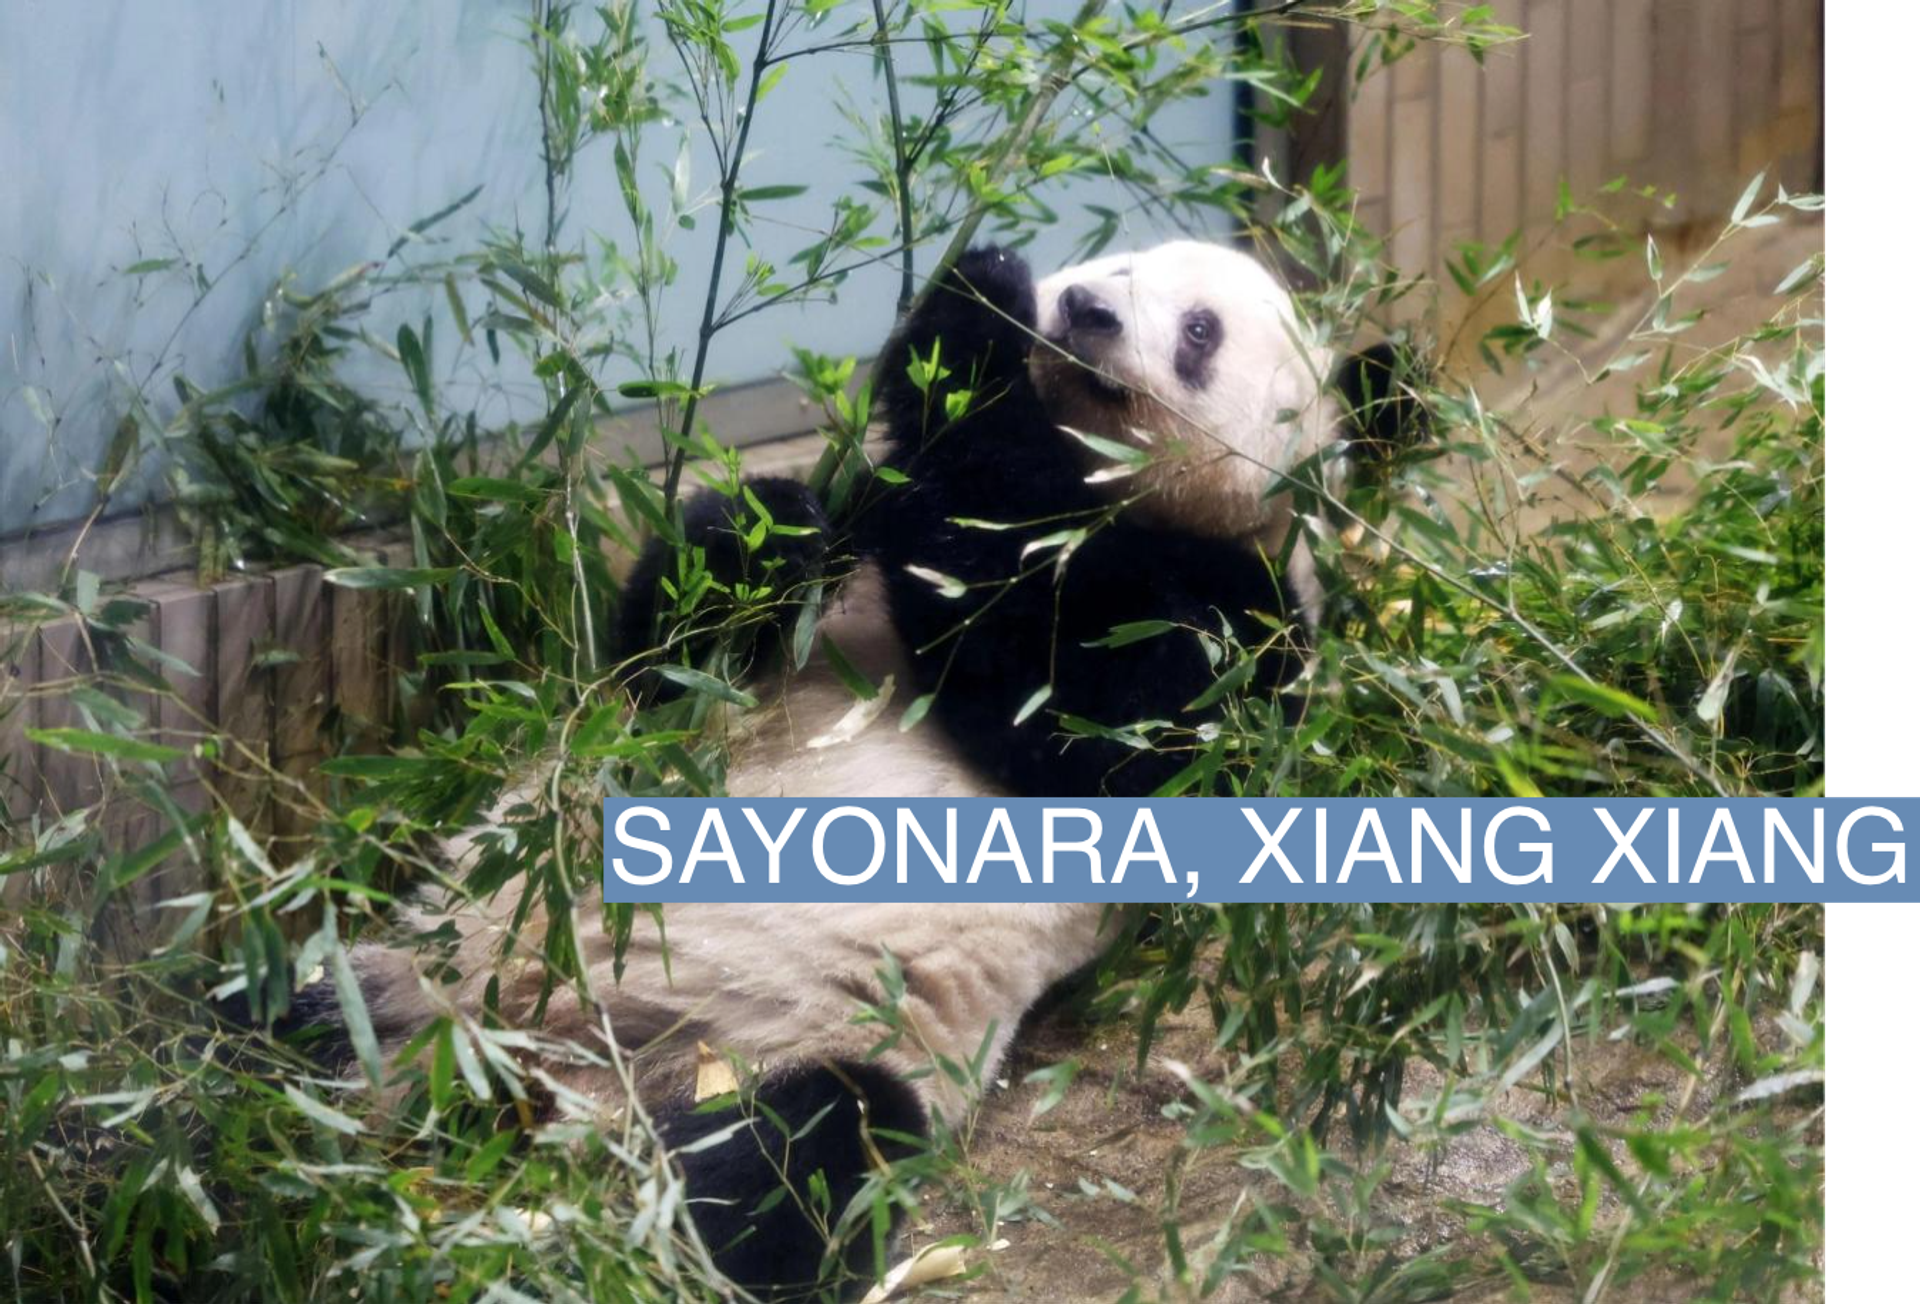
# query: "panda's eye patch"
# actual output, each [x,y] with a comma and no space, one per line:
[1199,340]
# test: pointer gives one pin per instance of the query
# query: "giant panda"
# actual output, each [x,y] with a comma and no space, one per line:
[1148,399]
[1189,351]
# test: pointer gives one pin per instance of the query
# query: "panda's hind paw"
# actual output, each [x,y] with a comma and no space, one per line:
[812,1131]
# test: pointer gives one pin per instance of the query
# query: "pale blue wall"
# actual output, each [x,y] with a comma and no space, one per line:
[127,125]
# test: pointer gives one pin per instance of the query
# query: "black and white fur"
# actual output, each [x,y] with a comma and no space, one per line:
[1191,351]
[774,988]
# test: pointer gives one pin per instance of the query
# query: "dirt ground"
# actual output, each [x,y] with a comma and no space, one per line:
[1110,1131]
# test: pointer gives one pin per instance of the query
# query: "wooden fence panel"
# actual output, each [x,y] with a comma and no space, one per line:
[243,621]
[66,780]
[362,661]
[1690,97]
[184,630]
[302,686]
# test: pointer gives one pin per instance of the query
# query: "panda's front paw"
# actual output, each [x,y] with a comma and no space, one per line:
[979,318]
[997,279]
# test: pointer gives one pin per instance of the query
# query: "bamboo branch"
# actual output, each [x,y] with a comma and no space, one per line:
[902,165]
[729,185]
[1056,78]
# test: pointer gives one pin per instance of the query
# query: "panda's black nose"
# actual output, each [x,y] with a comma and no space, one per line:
[1086,313]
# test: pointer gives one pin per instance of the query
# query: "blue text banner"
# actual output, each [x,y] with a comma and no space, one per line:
[1230,850]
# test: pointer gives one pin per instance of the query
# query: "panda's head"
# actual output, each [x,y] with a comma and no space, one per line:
[1194,354]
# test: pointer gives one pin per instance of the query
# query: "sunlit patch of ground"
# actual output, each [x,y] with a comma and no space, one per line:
[1101,1164]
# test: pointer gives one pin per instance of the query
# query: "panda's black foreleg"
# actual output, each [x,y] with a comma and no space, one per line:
[1082,635]
[1196,587]
[755,1194]
[972,332]
[739,548]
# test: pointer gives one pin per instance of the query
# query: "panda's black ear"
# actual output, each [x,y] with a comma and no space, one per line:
[1379,387]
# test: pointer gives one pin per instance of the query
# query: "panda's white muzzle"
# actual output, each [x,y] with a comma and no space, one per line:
[1086,331]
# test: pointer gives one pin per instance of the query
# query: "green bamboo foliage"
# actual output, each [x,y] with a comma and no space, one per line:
[149,1149]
